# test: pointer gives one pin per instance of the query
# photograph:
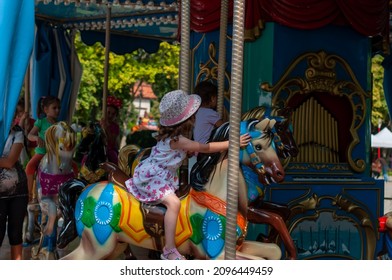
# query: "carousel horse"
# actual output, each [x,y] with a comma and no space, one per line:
[91,152]
[286,148]
[55,168]
[385,226]
[107,217]
[91,149]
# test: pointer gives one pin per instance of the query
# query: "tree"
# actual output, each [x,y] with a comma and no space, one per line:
[379,105]
[159,69]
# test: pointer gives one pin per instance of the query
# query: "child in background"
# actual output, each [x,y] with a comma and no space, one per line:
[207,118]
[23,119]
[155,179]
[112,128]
[48,112]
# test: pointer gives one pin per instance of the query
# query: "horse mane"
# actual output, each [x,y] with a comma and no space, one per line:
[51,139]
[255,113]
[206,163]
[95,144]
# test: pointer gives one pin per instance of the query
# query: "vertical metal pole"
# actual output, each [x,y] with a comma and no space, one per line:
[185,46]
[106,66]
[379,129]
[185,69]
[235,117]
[222,55]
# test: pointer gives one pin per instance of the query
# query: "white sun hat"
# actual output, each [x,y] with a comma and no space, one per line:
[177,106]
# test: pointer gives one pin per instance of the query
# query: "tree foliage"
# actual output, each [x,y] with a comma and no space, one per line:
[159,69]
[379,107]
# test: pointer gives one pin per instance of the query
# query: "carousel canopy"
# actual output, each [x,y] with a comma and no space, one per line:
[133,24]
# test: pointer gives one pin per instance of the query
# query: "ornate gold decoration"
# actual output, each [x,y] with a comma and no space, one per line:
[320,76]
[365,222]
[310,202]
[209,70]
[321,166]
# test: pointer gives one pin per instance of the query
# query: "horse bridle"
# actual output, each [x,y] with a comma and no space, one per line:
[245,127]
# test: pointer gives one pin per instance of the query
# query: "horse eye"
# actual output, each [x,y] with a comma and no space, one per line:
[258,147]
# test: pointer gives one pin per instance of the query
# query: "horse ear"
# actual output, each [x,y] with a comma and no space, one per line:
[265,124]
[272,123]
[262,124]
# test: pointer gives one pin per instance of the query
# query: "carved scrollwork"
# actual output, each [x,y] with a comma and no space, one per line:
[346,209]
[321,76]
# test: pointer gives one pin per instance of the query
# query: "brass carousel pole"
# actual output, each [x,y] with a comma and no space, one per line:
[106,66]
[234,134]
[185,46]
[222,56]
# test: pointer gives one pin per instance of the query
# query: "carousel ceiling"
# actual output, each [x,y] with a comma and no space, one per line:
[152,20]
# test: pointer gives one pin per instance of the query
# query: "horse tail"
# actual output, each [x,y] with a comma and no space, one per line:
[68,195]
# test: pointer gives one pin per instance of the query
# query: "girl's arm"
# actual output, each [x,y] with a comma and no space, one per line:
[12,158]
[33,134]
[212,147]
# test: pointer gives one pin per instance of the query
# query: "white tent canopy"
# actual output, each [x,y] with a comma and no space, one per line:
[383,139]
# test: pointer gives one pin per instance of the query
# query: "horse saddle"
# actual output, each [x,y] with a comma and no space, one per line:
[153,214]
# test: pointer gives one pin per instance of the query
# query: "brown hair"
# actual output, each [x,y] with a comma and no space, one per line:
[206,90]
[46,101]
[185,129]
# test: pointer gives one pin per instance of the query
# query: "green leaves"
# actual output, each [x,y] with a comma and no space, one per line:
[159,69]
[379,106]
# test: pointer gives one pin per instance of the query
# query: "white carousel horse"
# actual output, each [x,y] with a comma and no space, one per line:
[107,217]
[55,168]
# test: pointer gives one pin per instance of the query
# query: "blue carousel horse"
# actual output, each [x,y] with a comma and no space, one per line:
[286,148]
[55,168]
[106,216]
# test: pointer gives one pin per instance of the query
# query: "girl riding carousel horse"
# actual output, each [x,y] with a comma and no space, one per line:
[119,219]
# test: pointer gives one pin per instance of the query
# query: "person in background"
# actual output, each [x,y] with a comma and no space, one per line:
[13,192]
[48,112]
[376,168]
[155,179]
[112,128]
[384,166]
[23,119]
[207,118]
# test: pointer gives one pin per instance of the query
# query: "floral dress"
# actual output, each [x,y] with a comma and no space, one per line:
[156,176]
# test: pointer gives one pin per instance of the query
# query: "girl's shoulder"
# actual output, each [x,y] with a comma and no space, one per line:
[40,121]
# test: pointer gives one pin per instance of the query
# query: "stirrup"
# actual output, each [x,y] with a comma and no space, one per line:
[167,252]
